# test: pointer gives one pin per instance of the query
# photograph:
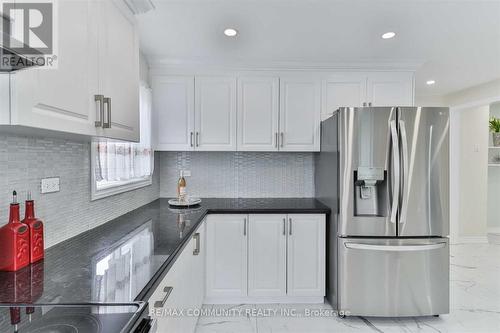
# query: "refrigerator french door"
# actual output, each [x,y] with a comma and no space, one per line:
[393,174]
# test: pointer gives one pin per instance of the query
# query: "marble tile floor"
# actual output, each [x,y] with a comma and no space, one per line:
[475,305]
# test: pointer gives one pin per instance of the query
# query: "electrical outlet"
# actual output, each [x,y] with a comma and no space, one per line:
[50,185]
[186,173]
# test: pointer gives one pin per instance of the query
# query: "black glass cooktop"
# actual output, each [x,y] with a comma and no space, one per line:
[74,318]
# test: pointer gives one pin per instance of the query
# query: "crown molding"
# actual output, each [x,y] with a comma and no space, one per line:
[159,62]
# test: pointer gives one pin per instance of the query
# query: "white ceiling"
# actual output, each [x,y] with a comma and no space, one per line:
[455,42]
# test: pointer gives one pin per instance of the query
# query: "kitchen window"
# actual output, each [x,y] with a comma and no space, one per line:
[119,166]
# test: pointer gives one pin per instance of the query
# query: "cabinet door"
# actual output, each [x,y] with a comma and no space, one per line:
[5,99]
[258,113]
[306,255]
[173,112]
[300,114]
[227,255]
[173,279]
[195,276]
[62,98]
[215,113]
[390,89]
[119,70]
[342,89]
[267,255]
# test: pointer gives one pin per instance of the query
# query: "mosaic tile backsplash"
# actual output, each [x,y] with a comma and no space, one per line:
[239,174]
[24,161]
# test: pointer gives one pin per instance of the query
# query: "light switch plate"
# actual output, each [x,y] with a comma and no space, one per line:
[186,173]
[50,185]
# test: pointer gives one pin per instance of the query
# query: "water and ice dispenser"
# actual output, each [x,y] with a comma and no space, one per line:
[369,191]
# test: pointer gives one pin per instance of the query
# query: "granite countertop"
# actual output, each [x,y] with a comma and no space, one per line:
[124,259]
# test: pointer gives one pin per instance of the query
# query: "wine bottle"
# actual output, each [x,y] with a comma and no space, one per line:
[181,188]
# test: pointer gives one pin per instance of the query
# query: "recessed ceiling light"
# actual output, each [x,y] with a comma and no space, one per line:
[230,32]
[430,82]
[389,35]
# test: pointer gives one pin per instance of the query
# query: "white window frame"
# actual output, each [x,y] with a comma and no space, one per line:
[117,187]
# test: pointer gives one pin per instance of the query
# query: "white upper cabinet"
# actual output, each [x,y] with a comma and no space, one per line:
[306,255]
[258,100]
[61,99]
[390,89]
[119,71]
[262,112]
[357,89]
[342,89]
[300,108]
[215,113]
[98,54]
[227,246]
[173,116]
[267,255]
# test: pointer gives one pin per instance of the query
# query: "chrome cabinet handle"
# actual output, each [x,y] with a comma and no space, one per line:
[100,112]
[197,139]
[276,138]
[282,139]
[364,103]
[370,104]
[196,250]
[284,227]
[107,101]
[191,139]
[245,226]
[397,172]
[167,291]
[290,226]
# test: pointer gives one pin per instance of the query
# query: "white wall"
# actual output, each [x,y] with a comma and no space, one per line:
[470,173]
[144,70]
[474,94]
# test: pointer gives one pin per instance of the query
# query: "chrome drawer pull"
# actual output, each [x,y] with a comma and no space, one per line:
[168,291]
[395,248]
[196,250]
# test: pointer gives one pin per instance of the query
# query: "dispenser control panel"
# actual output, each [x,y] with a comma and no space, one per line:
[370,174]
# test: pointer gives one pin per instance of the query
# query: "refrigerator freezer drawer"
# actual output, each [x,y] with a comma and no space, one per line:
[393,277]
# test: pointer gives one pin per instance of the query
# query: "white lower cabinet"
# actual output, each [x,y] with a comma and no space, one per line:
[240,258]
[267,255]
[182,289]
[265,258]
[306,255]
[227,246]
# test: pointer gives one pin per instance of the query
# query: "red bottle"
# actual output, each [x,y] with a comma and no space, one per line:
[14,241]
[35,231]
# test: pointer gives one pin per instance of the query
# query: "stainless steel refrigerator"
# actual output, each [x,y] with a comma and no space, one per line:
[384,172]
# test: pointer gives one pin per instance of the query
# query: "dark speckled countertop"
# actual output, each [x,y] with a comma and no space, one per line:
[124,259]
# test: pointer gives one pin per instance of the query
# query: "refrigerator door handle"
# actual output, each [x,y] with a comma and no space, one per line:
[395,248]
[397,171]
[404,194]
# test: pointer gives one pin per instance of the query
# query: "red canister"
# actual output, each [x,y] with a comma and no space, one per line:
[35,231]
[14,241]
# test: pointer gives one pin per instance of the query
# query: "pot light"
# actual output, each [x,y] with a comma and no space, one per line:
[389,35]
[230,32]
[430,82]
